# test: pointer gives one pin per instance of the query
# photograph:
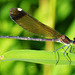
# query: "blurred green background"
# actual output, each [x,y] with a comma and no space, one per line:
[64,23]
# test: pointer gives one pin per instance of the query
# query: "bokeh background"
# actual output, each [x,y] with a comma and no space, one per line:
[64,22]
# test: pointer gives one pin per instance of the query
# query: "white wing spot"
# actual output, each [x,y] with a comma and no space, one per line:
[19,9]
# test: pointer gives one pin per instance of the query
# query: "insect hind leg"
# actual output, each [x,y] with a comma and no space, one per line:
[57,60]
[67,54]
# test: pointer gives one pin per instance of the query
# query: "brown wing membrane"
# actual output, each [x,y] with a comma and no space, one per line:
[32,25]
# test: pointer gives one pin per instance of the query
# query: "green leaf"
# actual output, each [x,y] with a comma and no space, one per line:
[41,57]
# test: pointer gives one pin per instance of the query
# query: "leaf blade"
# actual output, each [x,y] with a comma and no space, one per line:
[42,57]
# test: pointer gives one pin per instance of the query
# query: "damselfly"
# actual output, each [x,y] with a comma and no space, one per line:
[32,25]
